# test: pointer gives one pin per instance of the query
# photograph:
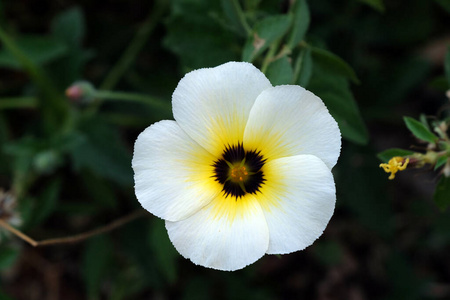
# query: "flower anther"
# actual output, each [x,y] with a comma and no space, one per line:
[395,165]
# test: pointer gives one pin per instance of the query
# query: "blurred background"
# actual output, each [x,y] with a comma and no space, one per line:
[65,160]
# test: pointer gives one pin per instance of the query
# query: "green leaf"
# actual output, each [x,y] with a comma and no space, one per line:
[69,26]
[3,296]
[232,18]
[386,155]
[333,63]
[303,68]
[440,83]
[280,71]
[424,121]
[191,29]
[99,190]
[5,164]
[46,203]
[442,193]
[101,150]
[419,130]
[27,56]
[440,162]
[334,90]
[376,4]
[166,255]
[134,238]
[39,49]
[265,32]
[300,24]
[447,63]
[445,4]
[8,257]
[97,257]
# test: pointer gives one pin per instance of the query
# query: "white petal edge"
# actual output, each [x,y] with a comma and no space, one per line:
[225,235]
[289,120]
[172,172]
[298,201]
[212,105]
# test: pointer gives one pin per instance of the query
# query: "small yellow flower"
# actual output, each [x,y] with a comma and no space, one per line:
[394,165]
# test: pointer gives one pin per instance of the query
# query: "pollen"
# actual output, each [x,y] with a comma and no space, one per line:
[394,165]
[239,174]
[239,171]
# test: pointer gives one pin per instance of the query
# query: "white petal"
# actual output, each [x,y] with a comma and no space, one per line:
[289,120]
[228,234]
[298,201]
[212,105]
[172,172]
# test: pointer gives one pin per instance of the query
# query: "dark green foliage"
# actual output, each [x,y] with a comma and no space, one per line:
[97,260]
[265,32]
[197,27]
[280,71]
[40,50]
[69,163]
[101,150]
[447,65]
[8,257]
[419,130]
[442,193]
[386,155]
[301,19]
[335,91]
[304,67]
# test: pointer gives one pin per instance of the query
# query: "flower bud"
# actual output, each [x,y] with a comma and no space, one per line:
[81,92]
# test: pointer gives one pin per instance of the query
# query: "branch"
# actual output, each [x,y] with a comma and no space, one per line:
[75,238]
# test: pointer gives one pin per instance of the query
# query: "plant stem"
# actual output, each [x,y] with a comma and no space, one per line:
[135,46]
[18,233]
[130,97]
[75,238]
[32,69]
[240,14]
[299,63]
[53,105]
[269,56]
[18,102]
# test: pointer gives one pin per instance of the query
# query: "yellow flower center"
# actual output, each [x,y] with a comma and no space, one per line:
[239,171]
[394,165]
[239,174]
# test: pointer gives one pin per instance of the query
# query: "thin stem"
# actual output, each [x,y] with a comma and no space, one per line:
[75,238]
[240,14]
[33,70]
[18,102]
[299,65]
[135,46]
[269,56]
[130,97]
[53,106]
[18,233]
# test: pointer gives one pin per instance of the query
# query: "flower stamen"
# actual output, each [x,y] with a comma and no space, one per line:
[239,174]
[239,171]
[394,165]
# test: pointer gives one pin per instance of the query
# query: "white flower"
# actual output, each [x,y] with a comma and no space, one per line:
[244,170]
